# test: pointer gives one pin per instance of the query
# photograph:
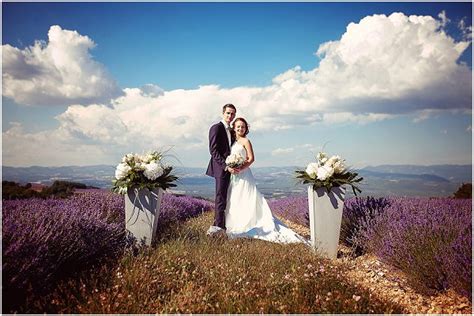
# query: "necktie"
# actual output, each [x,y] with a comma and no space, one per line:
[229,134]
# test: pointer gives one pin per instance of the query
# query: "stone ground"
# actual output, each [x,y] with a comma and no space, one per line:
[389,283]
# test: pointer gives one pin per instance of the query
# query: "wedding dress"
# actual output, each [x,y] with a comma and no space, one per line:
[248,214]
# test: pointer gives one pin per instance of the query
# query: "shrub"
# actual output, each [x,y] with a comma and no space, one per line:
[293,208]
[358,215]
[457,263]
[12,190]
[62,189]
[464,191]
[430,239]
[178,208]
[59,189]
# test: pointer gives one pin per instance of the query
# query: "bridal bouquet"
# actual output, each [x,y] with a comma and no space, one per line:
[328,172]
[142,171]
[234,161]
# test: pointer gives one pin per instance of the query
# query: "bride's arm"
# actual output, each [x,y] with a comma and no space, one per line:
[250,157]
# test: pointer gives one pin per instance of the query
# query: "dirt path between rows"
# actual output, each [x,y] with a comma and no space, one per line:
[390,284]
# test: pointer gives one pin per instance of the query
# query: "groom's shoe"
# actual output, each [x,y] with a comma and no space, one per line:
[215,231]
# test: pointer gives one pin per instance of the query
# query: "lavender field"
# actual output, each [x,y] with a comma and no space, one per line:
[47,241]
[428,238]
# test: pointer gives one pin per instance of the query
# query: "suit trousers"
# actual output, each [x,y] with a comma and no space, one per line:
[222,184]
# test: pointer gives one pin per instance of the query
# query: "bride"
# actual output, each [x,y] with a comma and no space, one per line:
[247,213]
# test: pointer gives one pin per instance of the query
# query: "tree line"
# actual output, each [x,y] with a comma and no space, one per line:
[59,189]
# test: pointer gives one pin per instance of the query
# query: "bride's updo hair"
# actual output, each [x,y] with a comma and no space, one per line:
[245,122]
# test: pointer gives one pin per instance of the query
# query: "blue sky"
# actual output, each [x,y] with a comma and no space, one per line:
[390,89]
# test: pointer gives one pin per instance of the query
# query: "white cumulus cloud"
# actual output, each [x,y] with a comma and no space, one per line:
[465,29]
[50,148]
[58,72]
[393,64]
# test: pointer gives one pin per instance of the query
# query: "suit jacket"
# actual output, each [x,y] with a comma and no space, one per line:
[219,149]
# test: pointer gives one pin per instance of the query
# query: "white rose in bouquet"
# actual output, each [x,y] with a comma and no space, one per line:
[148,158]
[323,161]
[321,158]
[330,162]
[234,160]
[321,155]
[312,170]
[339,167]
[122,170]
[152,171]
[127,158]
[324,172]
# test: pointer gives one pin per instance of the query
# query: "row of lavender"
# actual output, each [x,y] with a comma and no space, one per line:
[46,240]
[428,238]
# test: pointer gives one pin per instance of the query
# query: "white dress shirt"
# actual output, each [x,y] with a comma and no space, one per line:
[227,131]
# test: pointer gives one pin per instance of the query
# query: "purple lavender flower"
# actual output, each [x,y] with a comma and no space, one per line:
[293,208]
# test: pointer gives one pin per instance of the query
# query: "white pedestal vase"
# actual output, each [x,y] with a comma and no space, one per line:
[325,216]
[142,209]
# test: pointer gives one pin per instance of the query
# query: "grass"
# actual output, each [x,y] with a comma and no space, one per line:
[187,272]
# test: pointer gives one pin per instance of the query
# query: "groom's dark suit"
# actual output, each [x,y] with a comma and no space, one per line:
[219,149]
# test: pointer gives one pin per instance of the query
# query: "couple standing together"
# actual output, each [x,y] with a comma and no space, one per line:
[240,209]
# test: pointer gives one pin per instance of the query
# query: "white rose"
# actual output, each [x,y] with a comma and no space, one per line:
[324,172]
[339,167]
[137,158]
[149,158]
[122,170]
[153,171]
[330,162]
[312,170]
[321,155]
[127,158]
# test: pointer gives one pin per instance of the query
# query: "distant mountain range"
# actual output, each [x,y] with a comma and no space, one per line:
[384,180]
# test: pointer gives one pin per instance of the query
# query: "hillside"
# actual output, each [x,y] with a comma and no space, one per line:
[385,180]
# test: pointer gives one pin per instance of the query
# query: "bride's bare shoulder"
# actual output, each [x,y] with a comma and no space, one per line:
[245,141]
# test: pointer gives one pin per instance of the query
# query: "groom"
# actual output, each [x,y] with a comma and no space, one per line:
[220,140]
